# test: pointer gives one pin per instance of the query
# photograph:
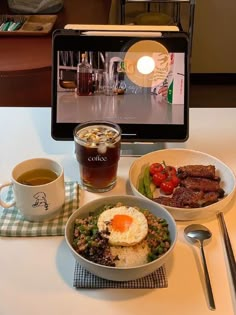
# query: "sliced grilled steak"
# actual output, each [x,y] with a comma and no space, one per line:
[206,171]
[209,198]
[168,201]
[194,199]
[187,198]
[202,184]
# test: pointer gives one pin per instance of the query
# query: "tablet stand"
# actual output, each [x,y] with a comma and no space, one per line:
[139,149]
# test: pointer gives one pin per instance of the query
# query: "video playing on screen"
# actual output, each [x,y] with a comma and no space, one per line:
[129,87]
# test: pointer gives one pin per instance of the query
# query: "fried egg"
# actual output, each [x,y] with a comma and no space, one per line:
[126,225]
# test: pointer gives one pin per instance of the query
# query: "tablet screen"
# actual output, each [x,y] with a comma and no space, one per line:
[141,83]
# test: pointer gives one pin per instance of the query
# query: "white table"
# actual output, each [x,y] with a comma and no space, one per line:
[36,274]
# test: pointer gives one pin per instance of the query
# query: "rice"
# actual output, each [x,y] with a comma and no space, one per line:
[129,256]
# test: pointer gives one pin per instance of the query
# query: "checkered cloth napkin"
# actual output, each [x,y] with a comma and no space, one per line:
[12,223]
[83,279]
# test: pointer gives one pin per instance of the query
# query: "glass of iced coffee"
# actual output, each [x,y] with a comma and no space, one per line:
[97,149]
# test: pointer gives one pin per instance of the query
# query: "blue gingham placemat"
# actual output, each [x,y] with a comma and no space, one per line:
[83,279]
[12,223]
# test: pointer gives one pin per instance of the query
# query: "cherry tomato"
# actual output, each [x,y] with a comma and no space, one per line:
[167,187]
[155,168]
[158,178]
[171,170]
[175,180]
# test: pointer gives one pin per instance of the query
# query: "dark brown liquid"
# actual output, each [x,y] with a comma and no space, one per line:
[97,169]
[37,177]
[85,84]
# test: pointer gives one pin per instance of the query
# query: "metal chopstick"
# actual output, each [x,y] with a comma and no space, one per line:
[229,250]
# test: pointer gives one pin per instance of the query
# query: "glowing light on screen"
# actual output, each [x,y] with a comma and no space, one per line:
[145,65]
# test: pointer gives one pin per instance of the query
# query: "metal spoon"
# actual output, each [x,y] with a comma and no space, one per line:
[200,233]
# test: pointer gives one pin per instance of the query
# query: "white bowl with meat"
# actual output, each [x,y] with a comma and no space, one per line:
[121,238]
[190,184]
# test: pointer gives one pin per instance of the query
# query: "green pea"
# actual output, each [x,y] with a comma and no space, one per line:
[151,257]
[90,243]
[160,250]
[165,237]
[162,244]
[94,231]
[82,228]
[164,223]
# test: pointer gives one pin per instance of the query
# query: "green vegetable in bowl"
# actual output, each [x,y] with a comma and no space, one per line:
[145,183]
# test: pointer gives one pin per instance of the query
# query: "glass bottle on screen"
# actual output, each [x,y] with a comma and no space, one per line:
[84,77]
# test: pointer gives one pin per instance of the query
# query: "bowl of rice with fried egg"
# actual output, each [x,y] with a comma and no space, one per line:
[121,238]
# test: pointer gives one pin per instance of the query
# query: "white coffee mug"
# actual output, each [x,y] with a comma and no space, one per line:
[37,202]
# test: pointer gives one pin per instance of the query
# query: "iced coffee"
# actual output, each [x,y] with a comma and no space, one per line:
[97,149]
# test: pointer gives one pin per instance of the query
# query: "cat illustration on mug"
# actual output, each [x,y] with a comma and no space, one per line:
[41,200]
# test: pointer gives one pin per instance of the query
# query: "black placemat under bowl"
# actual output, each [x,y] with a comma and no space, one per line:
[83,279]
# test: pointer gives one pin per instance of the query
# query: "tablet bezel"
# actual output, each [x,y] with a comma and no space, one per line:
[71,39]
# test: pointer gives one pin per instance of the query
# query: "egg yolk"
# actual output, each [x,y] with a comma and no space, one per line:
[121,222]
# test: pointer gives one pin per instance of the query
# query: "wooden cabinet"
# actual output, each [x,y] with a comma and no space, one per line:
[25,61]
